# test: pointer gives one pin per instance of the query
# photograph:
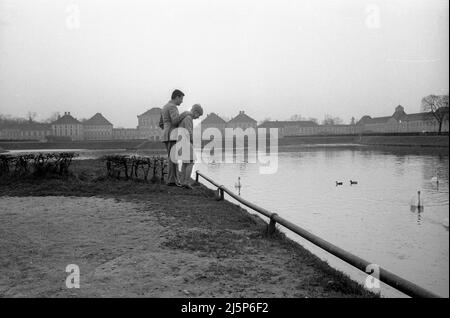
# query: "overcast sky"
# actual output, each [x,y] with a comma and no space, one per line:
[270,58]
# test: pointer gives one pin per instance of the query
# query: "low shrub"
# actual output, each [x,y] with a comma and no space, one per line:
[36,164]
[136,167]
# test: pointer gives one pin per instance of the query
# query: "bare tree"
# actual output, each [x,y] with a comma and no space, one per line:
[54,116]
[438,106]
[31,115]
[264,120]
[296,117]
[8,119]
[329,120]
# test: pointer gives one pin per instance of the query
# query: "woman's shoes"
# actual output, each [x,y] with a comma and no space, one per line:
[174,184]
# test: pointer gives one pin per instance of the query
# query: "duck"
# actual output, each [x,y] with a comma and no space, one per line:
[353,182]
[339,183]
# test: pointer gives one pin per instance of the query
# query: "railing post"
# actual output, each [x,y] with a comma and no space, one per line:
[271,227]
[385,276]
[219,194]
[196,176]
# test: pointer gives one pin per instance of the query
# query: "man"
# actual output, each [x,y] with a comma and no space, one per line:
[189,159]
[170,118]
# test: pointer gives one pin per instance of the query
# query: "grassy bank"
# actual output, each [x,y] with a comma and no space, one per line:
[136,239]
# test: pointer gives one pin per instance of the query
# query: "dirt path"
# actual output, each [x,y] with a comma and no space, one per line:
[167,243]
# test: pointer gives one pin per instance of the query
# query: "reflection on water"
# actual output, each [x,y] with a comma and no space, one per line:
[372,219]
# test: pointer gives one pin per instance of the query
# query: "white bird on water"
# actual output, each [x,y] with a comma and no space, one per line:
[435,179]
[238,185]
[417,204]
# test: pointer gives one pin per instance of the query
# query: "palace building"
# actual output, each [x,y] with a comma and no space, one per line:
[97,128]
[148,124]
[68,127]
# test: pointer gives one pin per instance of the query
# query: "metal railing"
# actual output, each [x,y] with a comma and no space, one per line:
[385,276]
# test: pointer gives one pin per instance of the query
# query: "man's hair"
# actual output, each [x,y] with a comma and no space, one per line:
[197,108]
[177,93]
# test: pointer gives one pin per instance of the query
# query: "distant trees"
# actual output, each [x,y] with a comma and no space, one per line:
[264,120]
[8,120]
[54,116]
[329,120]
[438,106]
[31,115]
[296,117]
[299,117]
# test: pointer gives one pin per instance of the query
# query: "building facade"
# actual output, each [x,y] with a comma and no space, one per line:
[401,122]
[290,128]
[213,120]
[25,131]
[68,127]
[97,128]
[243,121]
[125,133]
[148,124]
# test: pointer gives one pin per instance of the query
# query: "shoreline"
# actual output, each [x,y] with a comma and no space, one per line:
[138,239]
[418,141]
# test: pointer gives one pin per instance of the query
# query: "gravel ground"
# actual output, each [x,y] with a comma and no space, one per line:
[134,239]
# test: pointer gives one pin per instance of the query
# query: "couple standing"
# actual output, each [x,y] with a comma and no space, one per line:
[170,120]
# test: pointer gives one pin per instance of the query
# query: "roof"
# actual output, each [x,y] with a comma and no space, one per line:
[152,111]
[287,123]
[242,118]
[363,120]
[67,119]
[419,117]
[213,118]
[377,120]
[97,120]
[400,116]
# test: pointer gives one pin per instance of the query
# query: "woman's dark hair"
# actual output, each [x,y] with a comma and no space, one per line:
[177,93]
